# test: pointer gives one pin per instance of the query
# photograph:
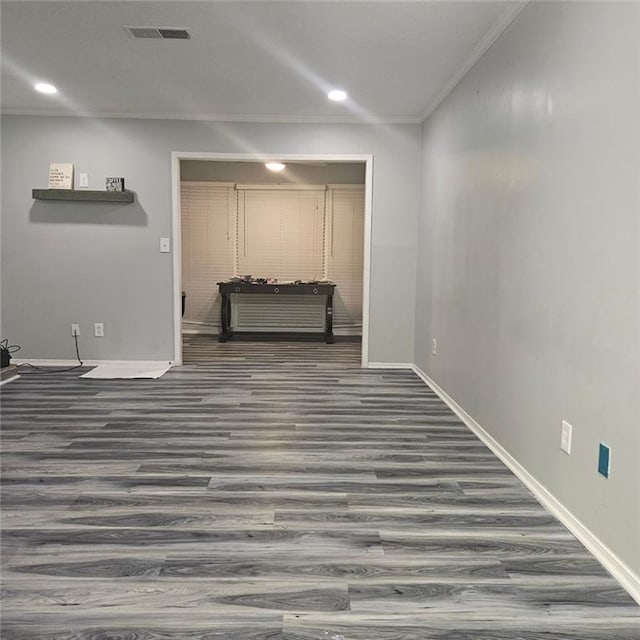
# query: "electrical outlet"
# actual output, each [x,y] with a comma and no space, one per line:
[604,460]
[75,329]
[434,347]
[84,181]
[565,437]
[98,329]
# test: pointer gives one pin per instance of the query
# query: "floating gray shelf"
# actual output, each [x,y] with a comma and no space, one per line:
[83,195]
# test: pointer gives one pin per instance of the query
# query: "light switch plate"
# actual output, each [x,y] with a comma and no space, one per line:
[165,245]
[565,437]
[84,181]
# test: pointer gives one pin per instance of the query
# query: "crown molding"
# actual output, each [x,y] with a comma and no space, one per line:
[507,17]
[479,50]
[221,117]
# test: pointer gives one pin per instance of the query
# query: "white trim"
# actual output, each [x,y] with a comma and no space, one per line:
[366,264]
[479,50]
[268,157]
[218,117]
[204,331]
[53,362]
[390,365]
[177,156]
[11,379]
[347,331]
[186,323]
[509,15]
[629,580]
[177,258]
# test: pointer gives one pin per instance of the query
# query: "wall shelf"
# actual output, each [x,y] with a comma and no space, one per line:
[83,195]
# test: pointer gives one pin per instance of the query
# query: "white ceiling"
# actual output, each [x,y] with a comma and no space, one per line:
[254,61]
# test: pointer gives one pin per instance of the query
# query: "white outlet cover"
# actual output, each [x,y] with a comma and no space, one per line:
[84,181]
[565,437]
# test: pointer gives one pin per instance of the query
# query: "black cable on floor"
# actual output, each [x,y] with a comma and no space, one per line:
[43,370]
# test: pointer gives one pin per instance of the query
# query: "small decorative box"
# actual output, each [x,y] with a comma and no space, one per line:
[115,184]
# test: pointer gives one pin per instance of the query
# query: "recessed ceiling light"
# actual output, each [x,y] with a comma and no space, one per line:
[45,87]
[337,95]
[274,166]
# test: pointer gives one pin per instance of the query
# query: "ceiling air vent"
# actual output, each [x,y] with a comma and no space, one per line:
[162,33]
[174,34]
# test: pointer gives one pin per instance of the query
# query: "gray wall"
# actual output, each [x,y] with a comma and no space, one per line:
[86,263]
[257,173]
[529,254]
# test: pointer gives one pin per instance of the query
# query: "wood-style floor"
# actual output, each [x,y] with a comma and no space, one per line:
[277,491]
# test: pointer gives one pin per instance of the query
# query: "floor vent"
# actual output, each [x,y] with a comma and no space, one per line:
[161,33]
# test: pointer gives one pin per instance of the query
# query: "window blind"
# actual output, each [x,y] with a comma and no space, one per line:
[306,233]
[208,214]
[345,255]
[280,234]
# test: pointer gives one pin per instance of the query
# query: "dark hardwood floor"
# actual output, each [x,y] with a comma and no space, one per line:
[277,491]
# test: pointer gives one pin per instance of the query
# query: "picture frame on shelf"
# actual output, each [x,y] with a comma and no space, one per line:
[114,184]
[60,175]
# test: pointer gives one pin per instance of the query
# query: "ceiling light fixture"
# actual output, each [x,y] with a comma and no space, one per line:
[274,166]
[45,87]
[337,95]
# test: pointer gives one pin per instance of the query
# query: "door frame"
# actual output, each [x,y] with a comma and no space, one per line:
[177,156]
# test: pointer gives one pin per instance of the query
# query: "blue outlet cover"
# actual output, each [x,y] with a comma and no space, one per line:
[604,460]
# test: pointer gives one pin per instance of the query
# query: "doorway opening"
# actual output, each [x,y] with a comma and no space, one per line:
[233,218]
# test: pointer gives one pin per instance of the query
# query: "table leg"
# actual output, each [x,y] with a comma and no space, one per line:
[225,318]
[328,334]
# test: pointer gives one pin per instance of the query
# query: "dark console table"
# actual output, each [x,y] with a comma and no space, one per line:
[228,288]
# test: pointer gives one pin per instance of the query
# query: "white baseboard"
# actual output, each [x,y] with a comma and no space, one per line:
[627,578]
[205,331]
[7,380]
[36,362]
[347,331]
[389,365]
